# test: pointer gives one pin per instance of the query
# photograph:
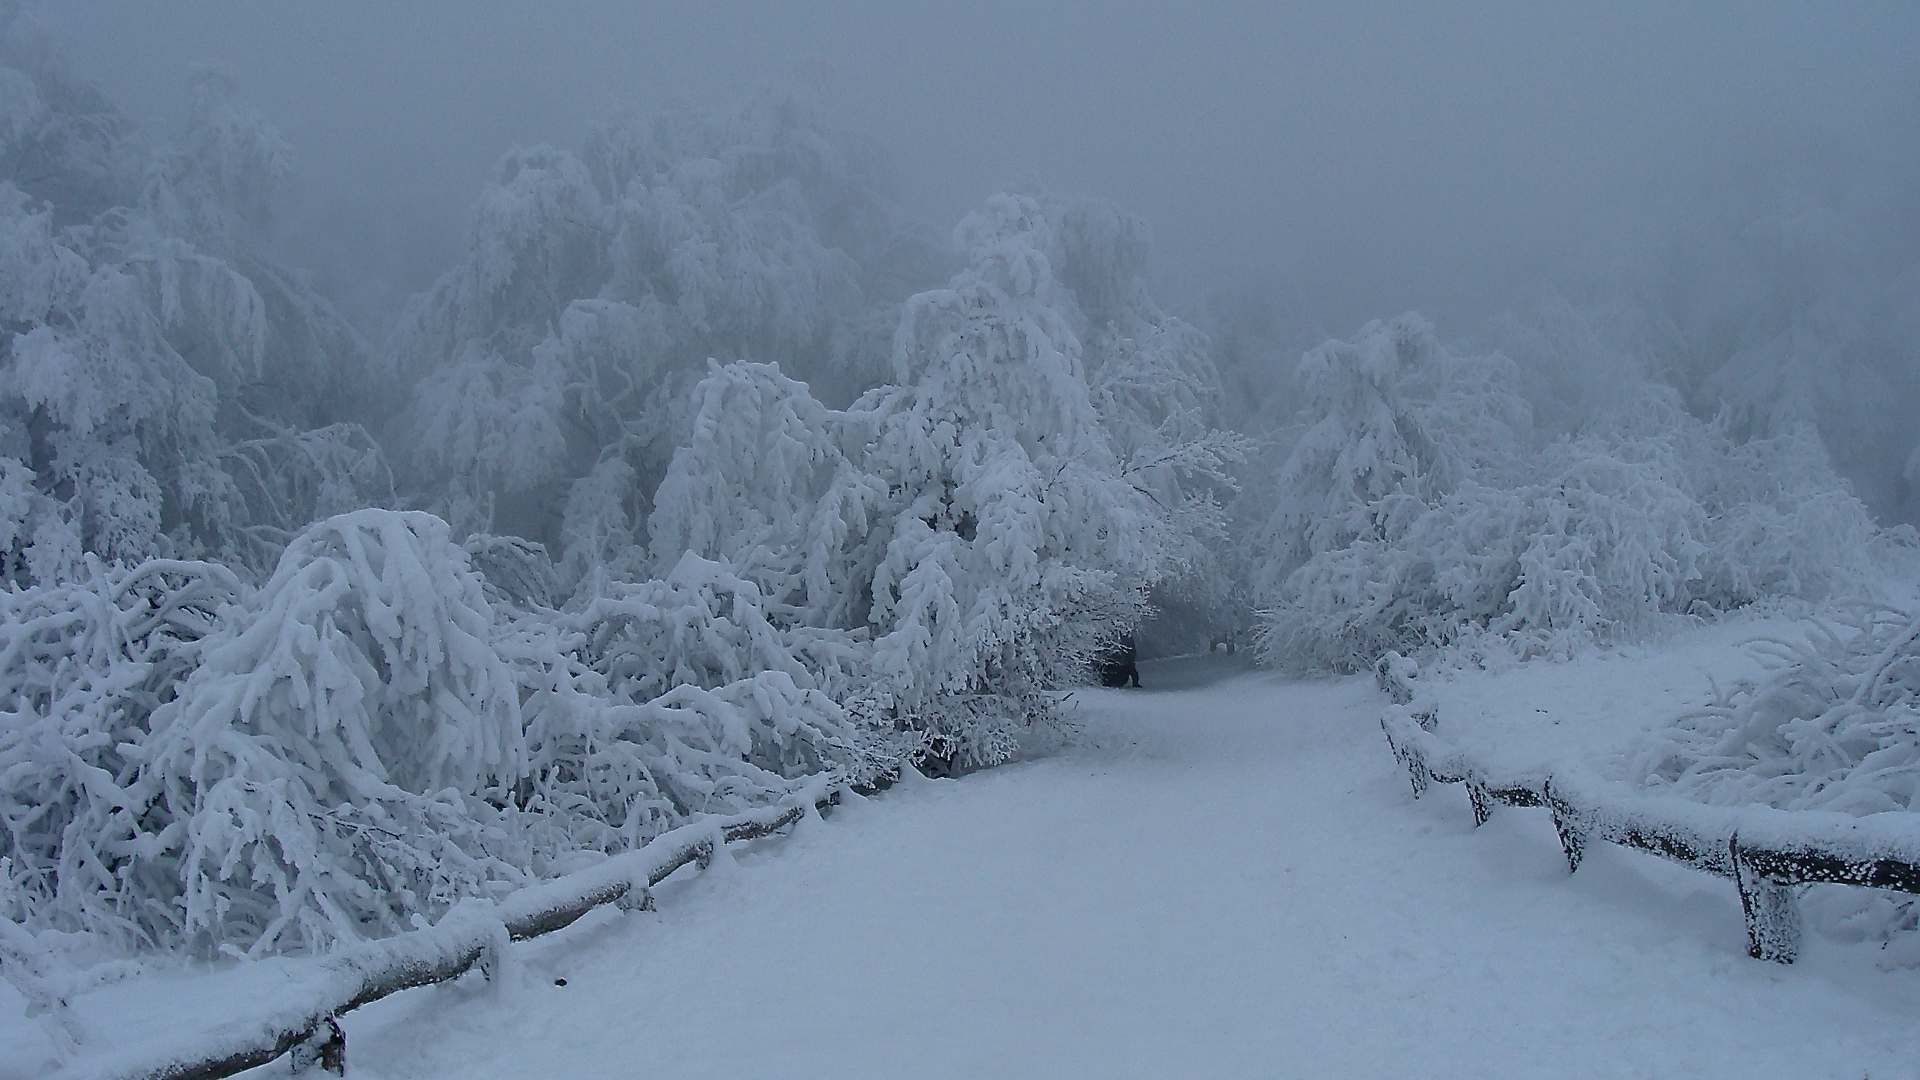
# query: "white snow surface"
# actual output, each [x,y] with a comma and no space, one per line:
[1582,714]
[1227,877]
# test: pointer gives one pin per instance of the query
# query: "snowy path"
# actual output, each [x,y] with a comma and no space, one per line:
[1233,882]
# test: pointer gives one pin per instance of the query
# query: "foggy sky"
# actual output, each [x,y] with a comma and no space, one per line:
[1384,156]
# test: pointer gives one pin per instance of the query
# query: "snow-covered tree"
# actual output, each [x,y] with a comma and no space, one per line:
[1017,543]
[778,485]
[168,390]
[1394,420]
[1416,510]
[595,287]
[1153,382]
[1779,297]
[976,520]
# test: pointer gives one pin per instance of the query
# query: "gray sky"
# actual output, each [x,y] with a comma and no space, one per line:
[1439,155]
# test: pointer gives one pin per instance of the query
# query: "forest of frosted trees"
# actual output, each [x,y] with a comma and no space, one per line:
[706,468]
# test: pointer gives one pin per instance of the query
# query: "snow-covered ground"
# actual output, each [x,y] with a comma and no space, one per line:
[1584,712]
[1229,878]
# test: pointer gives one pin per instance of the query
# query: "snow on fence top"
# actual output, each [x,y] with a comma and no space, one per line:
[1766,851]
[299,1018]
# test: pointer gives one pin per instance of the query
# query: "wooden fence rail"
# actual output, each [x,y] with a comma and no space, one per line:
[302,1019]
[1765,851]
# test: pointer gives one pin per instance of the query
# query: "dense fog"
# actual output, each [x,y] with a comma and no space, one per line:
[437,440]
[1360,162]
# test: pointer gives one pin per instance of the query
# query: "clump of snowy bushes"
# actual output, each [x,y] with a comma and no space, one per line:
[84,665]
[1420,509]
[982,526]
[367,737]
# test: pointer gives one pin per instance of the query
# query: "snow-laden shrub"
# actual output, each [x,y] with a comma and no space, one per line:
[320,774]
[1781,523]
[517,573]
[83,666]
[345,749]
[1833,725]
[663,699]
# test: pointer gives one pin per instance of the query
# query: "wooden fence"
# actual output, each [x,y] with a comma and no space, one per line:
[1766,852]
[301,1020]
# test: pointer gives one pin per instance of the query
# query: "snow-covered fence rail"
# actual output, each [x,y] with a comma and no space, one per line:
[1765,851]
[301,1018]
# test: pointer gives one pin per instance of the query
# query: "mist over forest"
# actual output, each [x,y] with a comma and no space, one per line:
[442,441]
[1302,169]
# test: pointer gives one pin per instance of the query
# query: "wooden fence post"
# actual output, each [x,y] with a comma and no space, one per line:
[1482,804]
[1772,912]
[325,1048]
[1566,822]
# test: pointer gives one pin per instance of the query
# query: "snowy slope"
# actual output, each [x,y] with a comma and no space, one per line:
[1230,879]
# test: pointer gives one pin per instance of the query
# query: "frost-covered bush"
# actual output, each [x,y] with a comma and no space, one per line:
[379,731]
[322,773]
[663,699]
[83,666]
[1781,523]
[1834,725]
